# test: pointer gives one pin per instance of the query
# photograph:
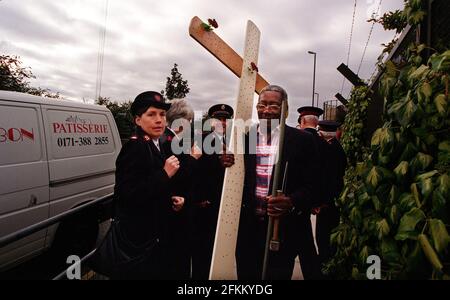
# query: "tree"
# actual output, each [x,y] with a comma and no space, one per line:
[14,77]
[120,112]
[176,87]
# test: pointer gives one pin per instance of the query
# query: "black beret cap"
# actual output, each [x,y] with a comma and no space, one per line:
[328,126]
[221,111]
[146,99]
[309,110]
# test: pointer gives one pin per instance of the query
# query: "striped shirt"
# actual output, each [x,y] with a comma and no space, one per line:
[266,151]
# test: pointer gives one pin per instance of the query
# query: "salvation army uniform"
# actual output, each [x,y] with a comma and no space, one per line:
[328,216]
[321,148]
[207,195]
[143,195]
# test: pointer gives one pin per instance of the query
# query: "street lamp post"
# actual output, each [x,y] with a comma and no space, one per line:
[314,75]
[317,94]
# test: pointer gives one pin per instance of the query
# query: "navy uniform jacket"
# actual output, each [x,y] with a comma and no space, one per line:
[142,192]
[209,183]
[210,176]
[338,164]
[325,177]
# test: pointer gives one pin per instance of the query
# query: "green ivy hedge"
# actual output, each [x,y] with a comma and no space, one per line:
[395,202]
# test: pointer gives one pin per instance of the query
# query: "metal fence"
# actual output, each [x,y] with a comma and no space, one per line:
[87,273]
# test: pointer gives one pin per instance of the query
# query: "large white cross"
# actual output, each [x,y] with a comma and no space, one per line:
[223,260]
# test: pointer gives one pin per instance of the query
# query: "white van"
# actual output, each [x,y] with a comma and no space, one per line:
[54,155]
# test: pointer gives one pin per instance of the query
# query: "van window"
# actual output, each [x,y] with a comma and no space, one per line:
[19,135]
[74,134]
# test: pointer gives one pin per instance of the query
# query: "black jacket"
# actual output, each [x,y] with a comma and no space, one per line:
[210,174]
[325,177]
[142,191]
[337,165]
[301,153]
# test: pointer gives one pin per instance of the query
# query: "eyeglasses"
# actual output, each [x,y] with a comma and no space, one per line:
[272,107]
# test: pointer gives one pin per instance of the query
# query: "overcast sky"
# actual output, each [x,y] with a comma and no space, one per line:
[59,40]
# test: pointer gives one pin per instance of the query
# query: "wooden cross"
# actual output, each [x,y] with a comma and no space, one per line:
[223,260]
[224,53]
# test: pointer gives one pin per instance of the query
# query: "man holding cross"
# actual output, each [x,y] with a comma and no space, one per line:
[292,207]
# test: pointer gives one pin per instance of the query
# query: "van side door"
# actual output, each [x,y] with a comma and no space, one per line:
[24,178]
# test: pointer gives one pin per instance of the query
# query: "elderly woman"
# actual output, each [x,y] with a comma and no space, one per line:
[178,131]
[179,110]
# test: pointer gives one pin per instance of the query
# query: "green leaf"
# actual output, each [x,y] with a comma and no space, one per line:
[355,216]
[440,62]
[376,203]
[363,198]
[363,255]
[383,137]
[408,223]
[420,132]
[393,194]
[416,194]
[389,251]
[383,228]
[407,113]
[444,184]
[426,187]
[396,107]
[440,236]
[419,72]
[374,177]
[401,170]
[416,17]
[441,104]
[409,152]
[438,205]
[429,252]
[378,136]
[445,146]
[426,175]
[422,161]
[426,90]
[391,69]
[406,202]
[421,47]
[415,261]
[394,214]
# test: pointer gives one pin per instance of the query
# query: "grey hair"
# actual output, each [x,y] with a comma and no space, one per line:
[311,120]
[179,109]
[275,88]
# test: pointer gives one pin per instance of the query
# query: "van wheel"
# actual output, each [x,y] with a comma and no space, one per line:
[75,236]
